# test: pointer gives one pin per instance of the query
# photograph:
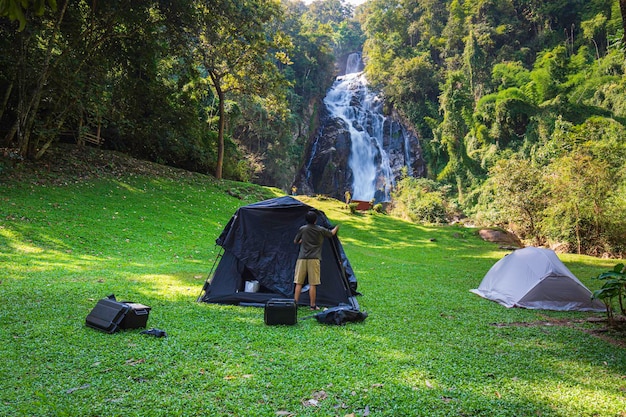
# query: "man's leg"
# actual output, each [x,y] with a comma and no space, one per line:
[298,278]
[297,292]
[314,280]
[312,294]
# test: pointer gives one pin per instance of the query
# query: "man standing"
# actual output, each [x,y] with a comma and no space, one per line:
[310,237]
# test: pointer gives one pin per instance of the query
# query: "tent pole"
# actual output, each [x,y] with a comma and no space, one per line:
[207,283]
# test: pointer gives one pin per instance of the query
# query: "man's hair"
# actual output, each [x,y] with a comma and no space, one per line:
[311,217]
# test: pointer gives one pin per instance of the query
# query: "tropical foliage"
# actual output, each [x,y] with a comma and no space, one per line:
[220,86]
[528,122]
[613,287]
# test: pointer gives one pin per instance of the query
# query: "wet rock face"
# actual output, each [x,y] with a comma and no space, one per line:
[326,170]
[403,148]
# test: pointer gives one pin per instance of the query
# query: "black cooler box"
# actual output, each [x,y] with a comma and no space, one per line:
[110,315]
[136,317]
[280,311]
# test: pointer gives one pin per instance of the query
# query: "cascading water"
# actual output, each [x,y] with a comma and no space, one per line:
[350,100]
[355,147]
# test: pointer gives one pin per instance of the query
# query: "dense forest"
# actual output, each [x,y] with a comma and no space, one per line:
[520,105]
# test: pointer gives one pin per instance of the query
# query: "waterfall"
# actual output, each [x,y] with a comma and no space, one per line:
[407,154]
[355,146]
[350,100]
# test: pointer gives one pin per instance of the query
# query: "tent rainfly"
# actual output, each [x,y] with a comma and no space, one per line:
[259,257]
[535,278]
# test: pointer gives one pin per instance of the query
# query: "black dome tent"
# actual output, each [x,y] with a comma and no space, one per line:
[258,248]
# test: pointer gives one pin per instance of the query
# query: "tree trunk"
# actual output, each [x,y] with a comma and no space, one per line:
[577,229]
[622,6]
[27,112]
[219,166]
[7,95]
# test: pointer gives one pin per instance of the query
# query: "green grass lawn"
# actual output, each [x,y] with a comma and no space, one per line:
[428,348]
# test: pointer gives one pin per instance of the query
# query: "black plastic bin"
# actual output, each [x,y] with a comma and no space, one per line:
[110,315]
[280,311]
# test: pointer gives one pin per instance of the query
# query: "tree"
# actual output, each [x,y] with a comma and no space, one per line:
[29,101]
[509,74]
[18,9]
[519,195]
[585,179]
[68,64]
[457,108]
[238,52]
[622,6]
[412,89]
[579,186]
[454,30]
[474,63]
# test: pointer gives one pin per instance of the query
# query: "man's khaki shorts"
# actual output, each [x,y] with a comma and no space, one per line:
[307,267]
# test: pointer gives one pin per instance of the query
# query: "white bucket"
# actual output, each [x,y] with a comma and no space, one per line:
[252,286]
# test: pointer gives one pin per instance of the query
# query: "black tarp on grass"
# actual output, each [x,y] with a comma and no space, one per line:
[258,245]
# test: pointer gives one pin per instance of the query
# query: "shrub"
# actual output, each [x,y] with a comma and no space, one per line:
[614,287]
[420,200]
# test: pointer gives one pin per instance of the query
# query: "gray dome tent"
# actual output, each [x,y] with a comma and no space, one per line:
[535,278]
[258,248]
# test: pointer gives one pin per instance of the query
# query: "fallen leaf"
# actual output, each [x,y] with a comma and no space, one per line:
[498,394]
[310,403]
[378,385]
[366,412]
[320,395]
[428,384]
[284,413]
[446,399]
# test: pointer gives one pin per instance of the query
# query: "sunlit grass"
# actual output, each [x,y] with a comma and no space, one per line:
[428,348]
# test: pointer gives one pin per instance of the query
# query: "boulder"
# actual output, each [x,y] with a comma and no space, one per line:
[506,240]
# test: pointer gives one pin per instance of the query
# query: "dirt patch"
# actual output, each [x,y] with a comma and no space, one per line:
[614,334]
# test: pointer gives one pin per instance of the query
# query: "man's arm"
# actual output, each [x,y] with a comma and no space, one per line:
[335,230]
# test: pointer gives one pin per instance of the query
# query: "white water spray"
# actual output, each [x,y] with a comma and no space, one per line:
[350,100]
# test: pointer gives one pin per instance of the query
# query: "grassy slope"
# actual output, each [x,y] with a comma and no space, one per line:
[429,347]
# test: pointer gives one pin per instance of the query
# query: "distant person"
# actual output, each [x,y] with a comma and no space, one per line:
[310,237]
